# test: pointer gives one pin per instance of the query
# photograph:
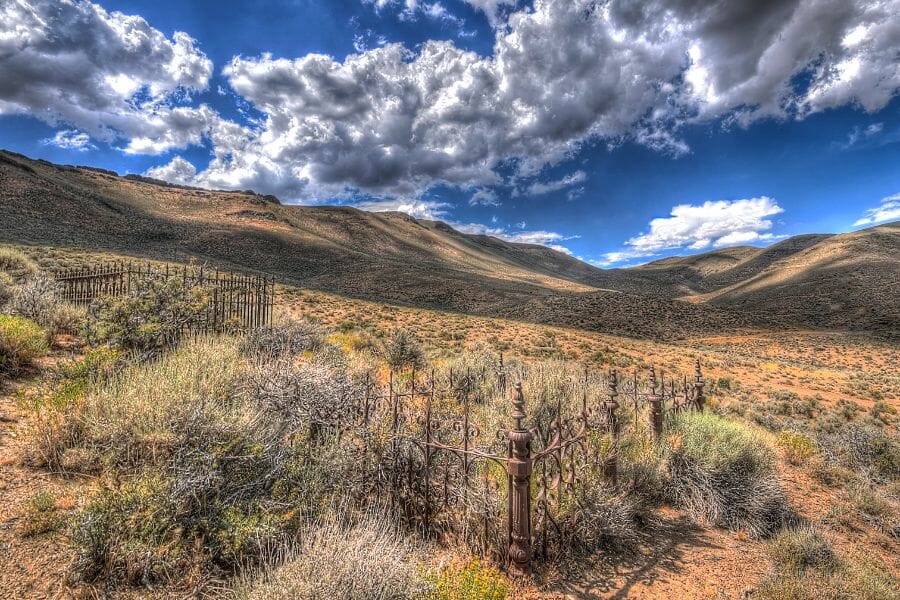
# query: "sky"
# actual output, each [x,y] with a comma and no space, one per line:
[618,131]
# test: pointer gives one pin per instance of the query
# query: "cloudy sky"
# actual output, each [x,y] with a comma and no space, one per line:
[620,131]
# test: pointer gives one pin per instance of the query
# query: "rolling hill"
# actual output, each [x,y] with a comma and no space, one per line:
[847,281]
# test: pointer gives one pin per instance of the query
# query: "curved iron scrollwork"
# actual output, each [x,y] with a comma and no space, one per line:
[447,476]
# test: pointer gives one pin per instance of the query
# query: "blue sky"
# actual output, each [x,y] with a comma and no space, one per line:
[620,132]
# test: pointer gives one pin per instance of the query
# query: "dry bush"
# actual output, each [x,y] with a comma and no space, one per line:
[723,474]
[286,339]
[7,289]
[368,561]
[36,298]
[863,448]
[795,549]
[401,350]
[17,264]
[806,568]
[305,396]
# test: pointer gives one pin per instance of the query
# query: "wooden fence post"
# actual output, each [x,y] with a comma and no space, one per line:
[519,499]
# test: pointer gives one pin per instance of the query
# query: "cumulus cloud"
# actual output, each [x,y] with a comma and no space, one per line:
[177,171]
[70,139]
[713,224]
[494,10]
[108,74]
[888,210]
[392,122]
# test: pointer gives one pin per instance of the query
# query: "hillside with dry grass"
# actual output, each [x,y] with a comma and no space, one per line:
[847,281]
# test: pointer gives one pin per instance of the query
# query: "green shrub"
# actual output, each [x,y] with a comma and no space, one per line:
[41,515]
[797,447]
[21,342]
[153,316]
[130,535]
[474,581]
[724,474]
[401,350]
[367,561]
[66,318]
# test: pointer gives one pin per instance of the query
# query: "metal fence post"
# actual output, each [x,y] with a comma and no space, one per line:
[655,401]
[519,499]
[699,398]
[611,466]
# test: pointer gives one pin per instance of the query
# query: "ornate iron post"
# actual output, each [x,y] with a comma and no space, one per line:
[699,398]
[655,401]
[611,467]
[519,467]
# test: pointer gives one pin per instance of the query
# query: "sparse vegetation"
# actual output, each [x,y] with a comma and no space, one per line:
[21,342]
[221,455]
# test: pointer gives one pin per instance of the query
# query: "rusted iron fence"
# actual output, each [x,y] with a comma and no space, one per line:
[500,487]
[236,302]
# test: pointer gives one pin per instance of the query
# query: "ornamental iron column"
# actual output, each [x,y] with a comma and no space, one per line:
[519,468]
[610,466]
[699,398]
[655,401]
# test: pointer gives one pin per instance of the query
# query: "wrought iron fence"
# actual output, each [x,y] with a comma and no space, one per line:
[236,301]
[502,490]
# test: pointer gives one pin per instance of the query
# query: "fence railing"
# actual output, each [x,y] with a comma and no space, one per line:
[235,301]
[443,458]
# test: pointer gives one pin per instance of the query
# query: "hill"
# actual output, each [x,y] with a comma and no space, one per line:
[392,257]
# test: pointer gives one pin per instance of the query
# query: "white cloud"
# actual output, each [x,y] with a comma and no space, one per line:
[888,210]
[545,187]
[391,122]
[484,197]
[713,224]
[431,210]
[177,171]
[437,211]
[107,74]
[494,10]
[70,139]
[519,236]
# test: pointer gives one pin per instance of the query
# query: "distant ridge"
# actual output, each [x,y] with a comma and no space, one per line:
[845,281]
